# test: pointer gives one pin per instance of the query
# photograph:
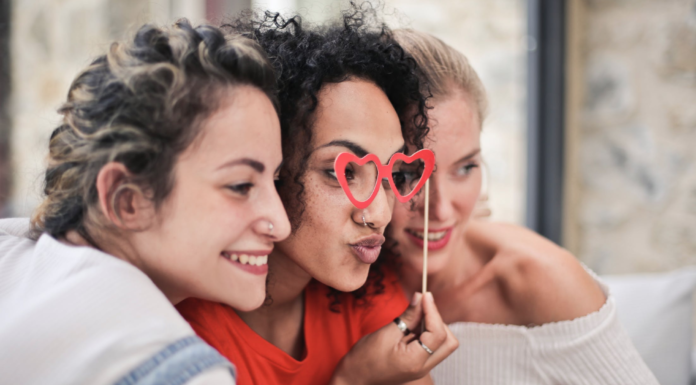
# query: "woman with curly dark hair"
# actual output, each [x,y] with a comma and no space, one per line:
[344,88]
[160,175]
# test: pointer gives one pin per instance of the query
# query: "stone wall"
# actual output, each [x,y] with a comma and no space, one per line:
[636,165]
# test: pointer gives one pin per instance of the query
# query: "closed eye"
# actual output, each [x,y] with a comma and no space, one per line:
[241,189]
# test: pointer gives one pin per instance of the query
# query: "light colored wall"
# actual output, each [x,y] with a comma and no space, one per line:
[312,11]
[52,40]
[635,204]
[492,34]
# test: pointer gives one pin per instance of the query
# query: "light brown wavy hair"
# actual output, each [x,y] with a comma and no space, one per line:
[444,69]
[142,105]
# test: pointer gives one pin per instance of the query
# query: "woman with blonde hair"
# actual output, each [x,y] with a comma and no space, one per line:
[525,310]
[160,186]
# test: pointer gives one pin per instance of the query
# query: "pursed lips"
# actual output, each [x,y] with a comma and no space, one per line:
[367,249]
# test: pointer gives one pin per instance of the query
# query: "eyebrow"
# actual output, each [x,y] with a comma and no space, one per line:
[469,156]
[256,165]
[354,147]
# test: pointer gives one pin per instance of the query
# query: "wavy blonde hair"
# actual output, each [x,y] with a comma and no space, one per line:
[444,69]
[141,104]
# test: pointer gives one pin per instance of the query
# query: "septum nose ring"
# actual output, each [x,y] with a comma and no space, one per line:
[363,218]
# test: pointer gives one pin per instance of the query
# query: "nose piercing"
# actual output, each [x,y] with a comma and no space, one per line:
[363,218]
[270,227]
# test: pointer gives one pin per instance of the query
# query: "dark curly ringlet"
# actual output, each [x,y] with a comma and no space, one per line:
[306,59]
[142,105]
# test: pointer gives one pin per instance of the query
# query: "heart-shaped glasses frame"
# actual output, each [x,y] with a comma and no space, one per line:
[342,160]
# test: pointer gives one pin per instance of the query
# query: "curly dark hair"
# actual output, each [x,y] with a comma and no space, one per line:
[307,58]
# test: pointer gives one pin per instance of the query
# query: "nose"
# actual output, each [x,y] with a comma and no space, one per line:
[274,212]
[379,213]
[440,203]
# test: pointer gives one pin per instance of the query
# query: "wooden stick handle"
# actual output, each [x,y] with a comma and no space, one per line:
[425,236]
[425,244]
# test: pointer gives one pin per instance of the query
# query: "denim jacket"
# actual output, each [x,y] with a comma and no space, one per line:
[177,364]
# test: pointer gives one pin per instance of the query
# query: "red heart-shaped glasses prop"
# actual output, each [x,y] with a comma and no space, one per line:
[383,171]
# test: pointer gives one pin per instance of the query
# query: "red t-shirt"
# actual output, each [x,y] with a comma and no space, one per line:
[328,335]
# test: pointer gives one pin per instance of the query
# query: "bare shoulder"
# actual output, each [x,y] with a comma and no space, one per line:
[540,281]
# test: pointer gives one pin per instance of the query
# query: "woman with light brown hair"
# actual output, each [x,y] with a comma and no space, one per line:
[160,186]
[524,309]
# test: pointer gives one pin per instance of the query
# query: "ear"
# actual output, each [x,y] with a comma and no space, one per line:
[122,202]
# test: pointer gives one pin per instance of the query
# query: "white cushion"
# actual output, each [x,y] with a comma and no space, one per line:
[657,312]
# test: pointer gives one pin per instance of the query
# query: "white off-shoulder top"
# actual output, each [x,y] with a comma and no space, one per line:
[594,349]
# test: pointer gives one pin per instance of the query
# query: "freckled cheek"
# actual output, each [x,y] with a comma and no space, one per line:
[327,208]
[465,198]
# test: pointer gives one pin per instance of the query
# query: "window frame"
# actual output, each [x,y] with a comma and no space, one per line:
[546,116]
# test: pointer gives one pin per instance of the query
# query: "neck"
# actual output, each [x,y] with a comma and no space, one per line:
[281,322]
[123,251]
[286,279]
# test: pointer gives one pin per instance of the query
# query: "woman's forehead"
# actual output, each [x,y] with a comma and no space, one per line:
[359,112]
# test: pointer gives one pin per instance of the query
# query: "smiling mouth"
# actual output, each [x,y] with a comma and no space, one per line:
[246,259]
[432,236]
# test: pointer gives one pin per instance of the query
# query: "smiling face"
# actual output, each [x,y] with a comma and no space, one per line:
[332,244]
[454,186]
[212,233]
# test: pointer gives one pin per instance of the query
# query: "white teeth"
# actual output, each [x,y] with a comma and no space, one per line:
[245,259]
[436,236]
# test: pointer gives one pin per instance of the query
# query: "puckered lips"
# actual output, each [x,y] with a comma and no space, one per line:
[367,249]
[251,261]
[437,238]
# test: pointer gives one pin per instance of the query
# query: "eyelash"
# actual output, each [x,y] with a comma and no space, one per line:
[331,173]
[466,169]
[241,189]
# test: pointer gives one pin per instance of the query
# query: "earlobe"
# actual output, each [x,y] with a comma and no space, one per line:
[121,202]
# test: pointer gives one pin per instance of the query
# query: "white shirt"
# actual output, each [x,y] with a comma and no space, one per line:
[75,315]
[592,350]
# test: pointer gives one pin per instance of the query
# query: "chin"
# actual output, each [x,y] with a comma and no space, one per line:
[349,282]
[248,302]
[436,262]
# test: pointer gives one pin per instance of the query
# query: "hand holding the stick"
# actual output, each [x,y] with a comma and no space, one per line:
[390,356]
